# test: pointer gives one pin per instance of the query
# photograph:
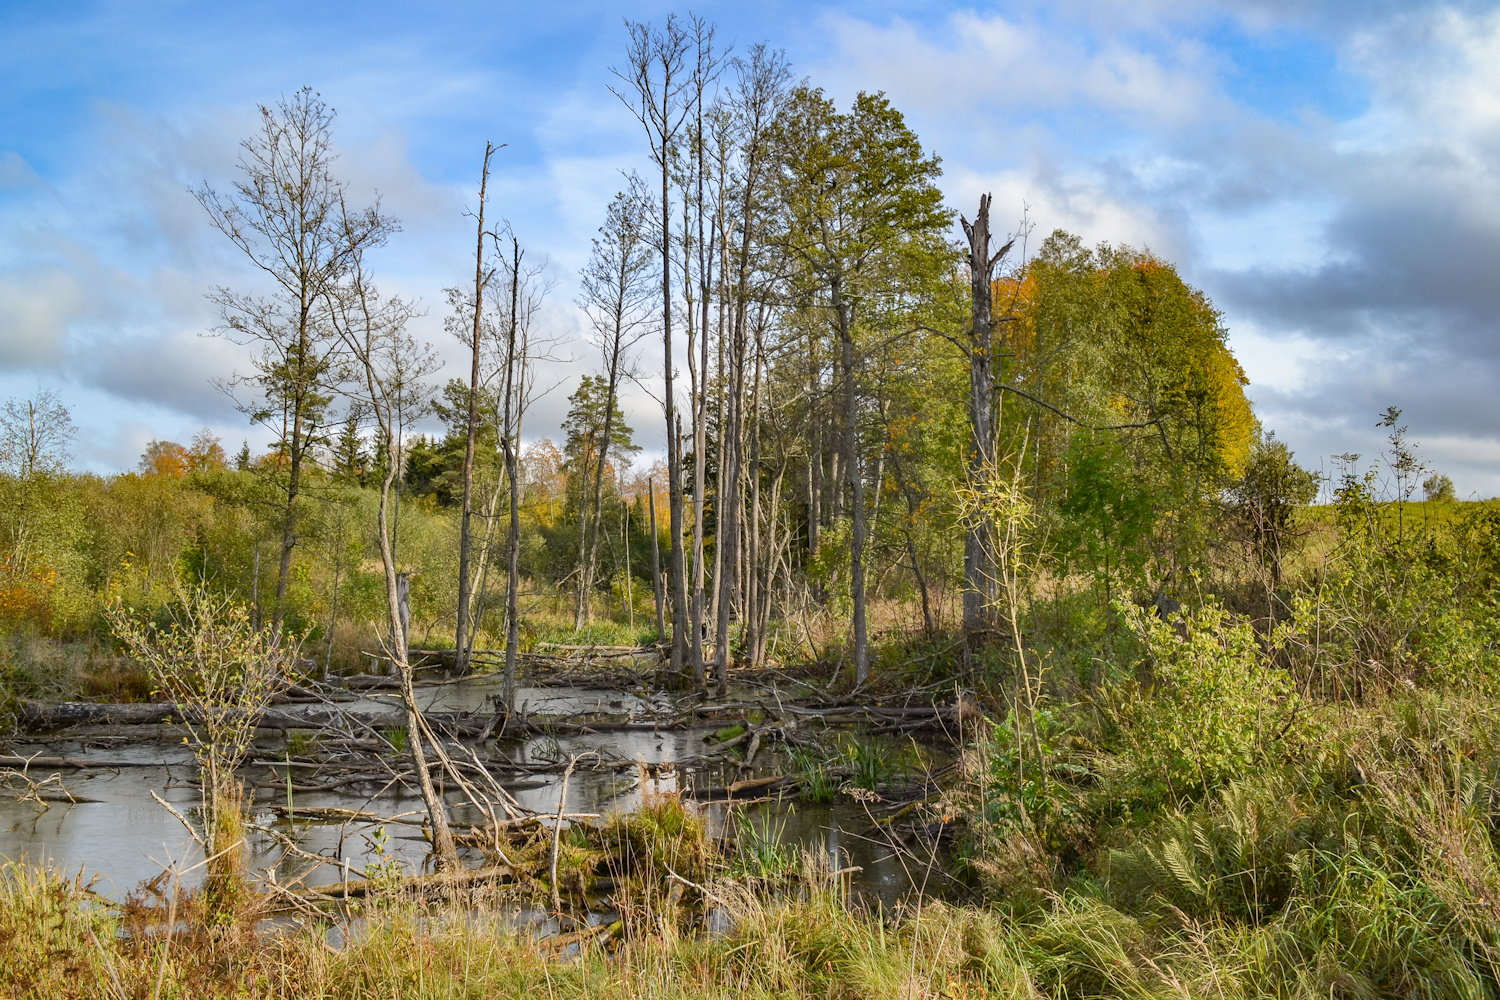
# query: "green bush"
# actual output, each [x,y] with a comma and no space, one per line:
[1213,701]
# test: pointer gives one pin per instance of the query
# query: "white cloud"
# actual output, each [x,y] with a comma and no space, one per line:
[36,307]
[976,63]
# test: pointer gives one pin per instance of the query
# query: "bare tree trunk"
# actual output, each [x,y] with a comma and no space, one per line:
[362,338]
[751,606]
[629,571]
[514,388]
[656,584]
[255,612]
[338,567]
[721,490]
[465,585]
[856,490]
[980,593]
[293,491]
[698,390]
[581,588]
[727,531]
[598,499]
[928,624]
[776,550]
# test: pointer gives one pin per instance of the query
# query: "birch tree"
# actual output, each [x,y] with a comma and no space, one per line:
[289,215]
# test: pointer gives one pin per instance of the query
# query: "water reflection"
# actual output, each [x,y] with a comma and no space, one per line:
[126,838]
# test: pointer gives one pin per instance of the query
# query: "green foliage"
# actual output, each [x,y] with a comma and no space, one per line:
[1266,499]
[760,848]
[817,780]
[664,836]
[1438,487]
[1017,792]
[868,761]
[1106,513]
[219,670]
[1216,700]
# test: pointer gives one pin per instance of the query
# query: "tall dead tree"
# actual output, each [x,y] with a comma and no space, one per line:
[514,399]
[462,643]
[289,215]
[698,248]
[384,358]
[655,91]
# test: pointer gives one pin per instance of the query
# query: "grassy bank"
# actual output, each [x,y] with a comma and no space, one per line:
[1355,855]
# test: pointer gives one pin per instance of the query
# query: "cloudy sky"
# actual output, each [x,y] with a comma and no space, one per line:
[1329,174]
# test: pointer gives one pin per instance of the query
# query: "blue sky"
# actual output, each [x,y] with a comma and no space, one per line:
[1328,174]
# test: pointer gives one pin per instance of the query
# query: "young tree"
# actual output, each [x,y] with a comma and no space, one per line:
[615,293]
[1438,487]
[1266,499]
[168,458]
[524,291]
[598,441]
[350,460]
[35,434]
[289,215]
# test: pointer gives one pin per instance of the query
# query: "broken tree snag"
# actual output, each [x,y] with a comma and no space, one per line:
[979,587]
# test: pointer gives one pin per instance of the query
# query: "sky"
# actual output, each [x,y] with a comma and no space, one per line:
[1326,172]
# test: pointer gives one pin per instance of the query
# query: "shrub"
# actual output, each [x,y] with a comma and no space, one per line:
[1213,703]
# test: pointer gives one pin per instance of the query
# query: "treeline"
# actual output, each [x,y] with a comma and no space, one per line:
[74,543]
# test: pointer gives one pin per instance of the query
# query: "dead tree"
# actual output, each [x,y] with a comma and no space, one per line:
[613,287]
[979,576]
[462,641]
[655,90]
[384,356]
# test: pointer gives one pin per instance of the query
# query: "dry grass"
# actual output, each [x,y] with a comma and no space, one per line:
[57,942]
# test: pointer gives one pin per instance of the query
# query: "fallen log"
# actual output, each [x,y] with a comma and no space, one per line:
[418,883]
[57,715]
[72,763]
[634,650]
[333,814]
[584,937]
[738,788]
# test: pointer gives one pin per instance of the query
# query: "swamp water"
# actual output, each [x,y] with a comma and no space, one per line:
[119,833]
